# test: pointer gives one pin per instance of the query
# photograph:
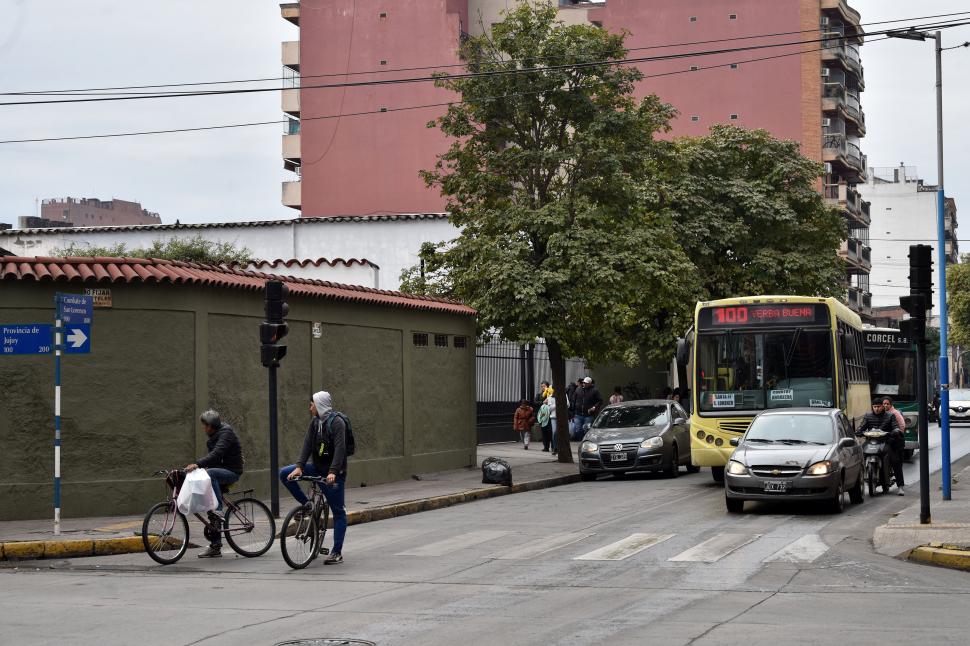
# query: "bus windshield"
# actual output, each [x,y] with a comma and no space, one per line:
[892,371]
[752,371]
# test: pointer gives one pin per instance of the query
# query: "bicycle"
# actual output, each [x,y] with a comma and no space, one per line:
[302,542]
[247,524]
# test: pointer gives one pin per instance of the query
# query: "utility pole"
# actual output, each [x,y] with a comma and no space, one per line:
[271,353]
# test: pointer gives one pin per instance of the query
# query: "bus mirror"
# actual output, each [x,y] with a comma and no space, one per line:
[683,352]
[848,345]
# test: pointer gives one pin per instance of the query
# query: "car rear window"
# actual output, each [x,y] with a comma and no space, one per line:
[806,428]
[631,416]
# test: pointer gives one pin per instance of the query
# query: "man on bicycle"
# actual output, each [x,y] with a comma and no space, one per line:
[326,443]
[224,464]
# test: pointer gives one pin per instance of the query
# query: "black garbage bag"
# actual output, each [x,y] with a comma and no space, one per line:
[496,471]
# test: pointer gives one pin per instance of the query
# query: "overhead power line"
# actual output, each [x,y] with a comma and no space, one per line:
[450,65]
[467,75]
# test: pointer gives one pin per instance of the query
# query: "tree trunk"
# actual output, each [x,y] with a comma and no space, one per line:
[558,365]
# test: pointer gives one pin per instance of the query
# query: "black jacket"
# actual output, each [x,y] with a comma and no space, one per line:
[334,446]
[885,422]
[588,401]
[225,451]
[571,398]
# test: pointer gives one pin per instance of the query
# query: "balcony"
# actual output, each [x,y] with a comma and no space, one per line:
[858,300]
[837,48]
[847,199]
[847,13]
[291,12]
[291,101]
[291,55]
[291,152]
[838,99]
[292,195]
[857,256]
[837,148]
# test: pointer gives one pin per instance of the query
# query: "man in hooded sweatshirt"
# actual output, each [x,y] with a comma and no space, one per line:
[325,445]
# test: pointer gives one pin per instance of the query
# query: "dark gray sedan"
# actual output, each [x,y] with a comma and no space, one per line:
[795,454]
[643,435]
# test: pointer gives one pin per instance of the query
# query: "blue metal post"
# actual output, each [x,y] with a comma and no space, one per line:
[941,259]
[57,414]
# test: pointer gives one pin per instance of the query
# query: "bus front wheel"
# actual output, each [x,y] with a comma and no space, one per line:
[718,474]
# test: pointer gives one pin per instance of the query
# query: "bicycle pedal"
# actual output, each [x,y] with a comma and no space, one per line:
[324,550]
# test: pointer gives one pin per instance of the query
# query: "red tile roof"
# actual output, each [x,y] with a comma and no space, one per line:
[139,270]
[346,262]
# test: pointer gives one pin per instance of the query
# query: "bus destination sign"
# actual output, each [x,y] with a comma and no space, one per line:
[761,314]
[887,338]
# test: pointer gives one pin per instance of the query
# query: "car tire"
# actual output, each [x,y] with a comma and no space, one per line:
[672,469]
[855,493]
[837,504]
[718,474]
[586,476]
[734,505]
[692,469]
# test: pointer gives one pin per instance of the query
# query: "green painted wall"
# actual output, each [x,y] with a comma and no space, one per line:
[164,353]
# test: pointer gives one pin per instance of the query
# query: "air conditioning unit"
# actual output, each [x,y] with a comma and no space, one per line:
[828,167]
[826,122]
[823,21]
[826,72]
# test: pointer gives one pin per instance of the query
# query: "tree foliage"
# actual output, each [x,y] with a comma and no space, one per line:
[196,249]
[749,215]
[958,303]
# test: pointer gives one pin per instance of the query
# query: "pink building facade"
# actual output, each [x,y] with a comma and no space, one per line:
[92,212]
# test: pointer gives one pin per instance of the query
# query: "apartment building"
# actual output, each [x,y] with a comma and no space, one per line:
[796,72]
[904,212]
[91,212]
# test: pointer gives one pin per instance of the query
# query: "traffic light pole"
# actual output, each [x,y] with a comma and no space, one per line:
[274,458]
[923,430]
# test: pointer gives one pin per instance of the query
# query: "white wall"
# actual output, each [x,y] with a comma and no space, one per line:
[392,245]
[346,273]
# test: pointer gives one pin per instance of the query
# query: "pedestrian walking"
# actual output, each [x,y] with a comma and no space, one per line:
[617,396]
[545,428]
[588,403]
[324,453]
[523,421]
[551,401]
[571,405]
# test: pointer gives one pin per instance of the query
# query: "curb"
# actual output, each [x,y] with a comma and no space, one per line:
[32,550]
[948,555]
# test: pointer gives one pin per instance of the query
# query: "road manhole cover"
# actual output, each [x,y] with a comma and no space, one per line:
[326,641]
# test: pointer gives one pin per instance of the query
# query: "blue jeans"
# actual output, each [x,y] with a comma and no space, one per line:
[552,421]
[221,477]
[581,421]
[333,493]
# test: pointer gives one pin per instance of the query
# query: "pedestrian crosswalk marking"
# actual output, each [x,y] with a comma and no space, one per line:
[714,549]
[454,543]
[805,550]
[625,548]
[541,546]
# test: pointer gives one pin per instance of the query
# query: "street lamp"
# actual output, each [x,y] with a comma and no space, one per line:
[913,34]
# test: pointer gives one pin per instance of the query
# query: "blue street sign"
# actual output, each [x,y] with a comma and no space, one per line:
[26,338]
[75,308]
[77,339]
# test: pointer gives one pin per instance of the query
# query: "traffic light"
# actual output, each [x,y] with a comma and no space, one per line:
[914,329]
[914,305]
[275,327]
[921,272]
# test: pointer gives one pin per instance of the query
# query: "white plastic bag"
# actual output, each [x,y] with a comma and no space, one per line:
[196,495]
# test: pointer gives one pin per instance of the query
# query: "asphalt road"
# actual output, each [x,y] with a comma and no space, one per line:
[644,560]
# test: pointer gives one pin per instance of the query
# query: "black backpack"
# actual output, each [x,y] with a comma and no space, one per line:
[350,443]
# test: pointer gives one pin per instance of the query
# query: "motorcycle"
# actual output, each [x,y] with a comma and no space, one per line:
[878,469]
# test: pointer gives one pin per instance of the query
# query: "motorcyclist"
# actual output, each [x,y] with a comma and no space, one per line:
[882,420]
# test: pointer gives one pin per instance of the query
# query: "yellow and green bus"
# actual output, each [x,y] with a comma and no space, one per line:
[746,355]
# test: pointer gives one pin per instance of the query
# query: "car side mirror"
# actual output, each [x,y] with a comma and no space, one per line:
[679,421]
[734,441]
[846,443]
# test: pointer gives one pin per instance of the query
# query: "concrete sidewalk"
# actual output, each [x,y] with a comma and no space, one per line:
[532,469]
[944,541]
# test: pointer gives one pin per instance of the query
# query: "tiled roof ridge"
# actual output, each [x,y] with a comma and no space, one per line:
[311,261]
[98,269]
[231,225]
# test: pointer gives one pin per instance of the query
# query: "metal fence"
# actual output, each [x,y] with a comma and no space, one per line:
[506,373]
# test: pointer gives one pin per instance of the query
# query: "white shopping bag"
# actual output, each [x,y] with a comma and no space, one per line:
[196,494]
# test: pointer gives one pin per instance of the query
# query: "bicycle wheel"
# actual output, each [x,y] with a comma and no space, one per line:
[165,533]
[299,538]
[249,527]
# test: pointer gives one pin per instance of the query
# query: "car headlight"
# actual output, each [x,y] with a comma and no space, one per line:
[735,468]
[652,443]
[588,447]
[822,468]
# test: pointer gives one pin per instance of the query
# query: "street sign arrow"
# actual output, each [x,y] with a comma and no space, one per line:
[76,338]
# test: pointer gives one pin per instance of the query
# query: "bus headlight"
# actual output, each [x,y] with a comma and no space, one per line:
[652,443]
[822,468]
[588,447]
[735,468]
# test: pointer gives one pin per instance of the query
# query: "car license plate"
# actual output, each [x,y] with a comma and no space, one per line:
[777,485]
[617,457]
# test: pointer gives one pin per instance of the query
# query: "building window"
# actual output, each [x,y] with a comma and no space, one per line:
[383,62]
[695,118]
[693,18]
[734,66]
[383,109]
[734,117]
[420,339]
[694,68]
[441,340]
[461,341]
[383,15]
[733,16]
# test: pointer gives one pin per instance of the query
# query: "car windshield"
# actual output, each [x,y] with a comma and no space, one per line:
[959,394]
[631,416]
[791,429]
[742,371]
[892,371]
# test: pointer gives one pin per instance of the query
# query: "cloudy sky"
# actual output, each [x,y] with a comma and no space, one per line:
[235,174]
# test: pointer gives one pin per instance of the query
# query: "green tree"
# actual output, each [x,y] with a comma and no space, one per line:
[748,212]
[549,178]
[196,249]
[958,303]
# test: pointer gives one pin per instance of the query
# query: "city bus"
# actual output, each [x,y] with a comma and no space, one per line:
[891,359]
[746,355]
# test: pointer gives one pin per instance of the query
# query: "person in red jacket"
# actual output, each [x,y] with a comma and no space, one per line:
[525,418]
